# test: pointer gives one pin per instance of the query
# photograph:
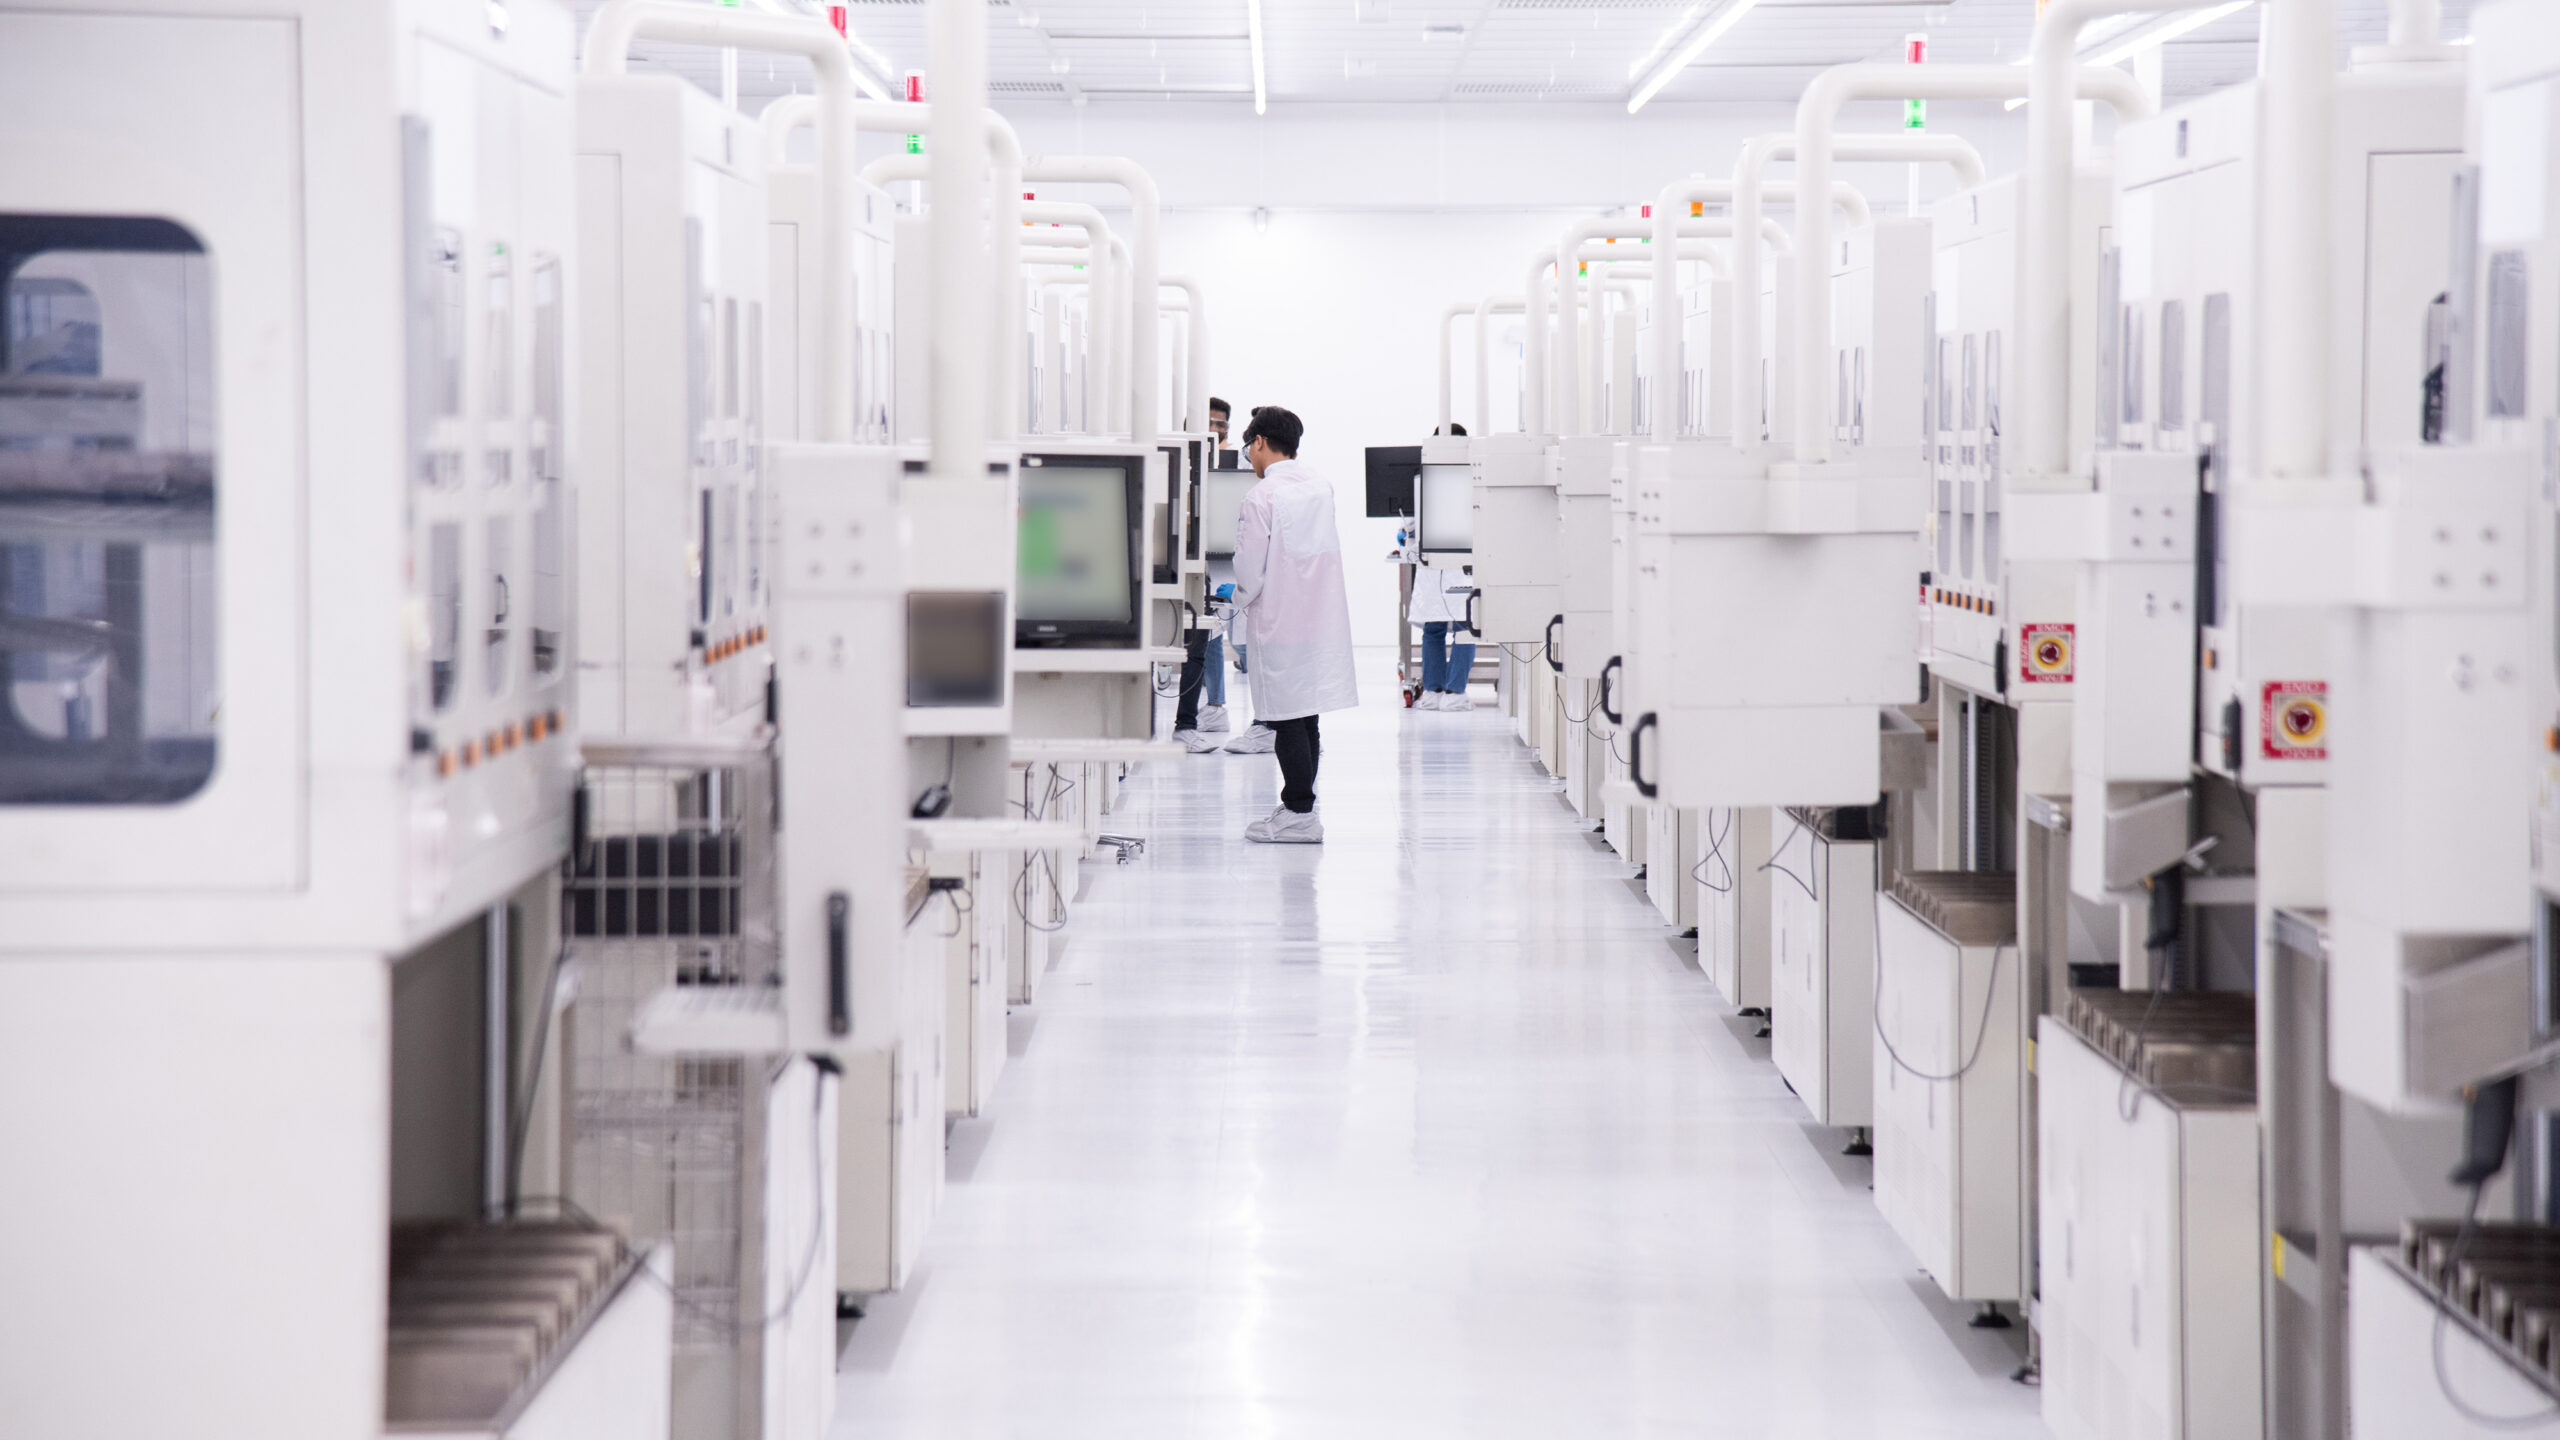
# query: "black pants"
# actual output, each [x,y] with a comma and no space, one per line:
[1195,656]
[1298,747]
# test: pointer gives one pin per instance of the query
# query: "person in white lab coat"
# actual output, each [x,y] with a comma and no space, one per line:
[1440,595]
[1294,613]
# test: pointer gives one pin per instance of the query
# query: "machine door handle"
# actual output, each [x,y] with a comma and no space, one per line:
[839,964]
[1635,756]
[1616,663]
[1472,627]
[1552,662]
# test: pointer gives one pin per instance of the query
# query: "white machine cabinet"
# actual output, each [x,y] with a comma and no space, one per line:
[284,699]
[1733,903]
[1582,496]
[1822,933]
[2148,1254]
[672,315]
[1518,555]
[1950,1081]
[2395,1342]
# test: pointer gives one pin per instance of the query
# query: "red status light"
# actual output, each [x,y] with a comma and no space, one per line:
[915,87]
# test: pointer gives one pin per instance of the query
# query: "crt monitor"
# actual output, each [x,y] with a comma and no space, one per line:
[1225,492]
[1079,550]
[1446,498]
[1393,471]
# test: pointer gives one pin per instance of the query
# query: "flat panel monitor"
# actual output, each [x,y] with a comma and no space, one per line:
[1447,500]
[1167,544]
[1393,471]
[955,648]
[1229,460]
[1225,497]
[1079,554]
[1191,496]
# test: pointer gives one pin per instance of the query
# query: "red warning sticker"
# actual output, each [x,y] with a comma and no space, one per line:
[2293,720]
[2044,654]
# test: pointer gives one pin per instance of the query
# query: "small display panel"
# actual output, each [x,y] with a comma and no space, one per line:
[956,645]
[1392,471]
[1447,501]
[1078,553]
[1224,497]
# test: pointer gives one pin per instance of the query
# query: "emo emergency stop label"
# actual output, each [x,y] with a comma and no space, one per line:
[2044,654]
[2293,720]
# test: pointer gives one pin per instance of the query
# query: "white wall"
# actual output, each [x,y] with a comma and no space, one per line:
[1333,315]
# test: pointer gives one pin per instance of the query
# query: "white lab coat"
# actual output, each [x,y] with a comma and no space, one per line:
[1440,594]
[1293,612]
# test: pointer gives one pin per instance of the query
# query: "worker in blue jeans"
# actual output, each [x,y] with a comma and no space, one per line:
[1440,606]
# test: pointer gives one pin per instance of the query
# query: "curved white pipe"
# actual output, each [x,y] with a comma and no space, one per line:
[1108,258]
[1195,389]
[1486,308]
[1533,353]
[2298,116]
[609,39]
[1455,311]
[1142,319]
[956,352]
[1004,158]
[2416,24]
[2044,237]
[1816,111]
[1571,418]
[1676,197]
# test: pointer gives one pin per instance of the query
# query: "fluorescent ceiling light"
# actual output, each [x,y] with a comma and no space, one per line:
[2167,30]
[1707,35]
[1670,33]
[1253,31]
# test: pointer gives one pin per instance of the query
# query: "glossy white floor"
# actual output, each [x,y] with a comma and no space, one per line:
[1428,1131]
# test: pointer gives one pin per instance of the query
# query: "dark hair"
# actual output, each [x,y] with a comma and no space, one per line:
[1218,406]
[1277,427]
[1453,428]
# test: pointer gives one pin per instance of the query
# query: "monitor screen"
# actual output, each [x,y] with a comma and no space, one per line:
[1225,496]
[1392,471]
[1167,545]
[1078,557]
[956,646]
[1448,503]
[1191,498]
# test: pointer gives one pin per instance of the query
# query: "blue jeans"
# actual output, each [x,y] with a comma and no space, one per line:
[1444,665]
[1214,671]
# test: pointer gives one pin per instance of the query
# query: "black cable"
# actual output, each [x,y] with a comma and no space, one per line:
[1990,992]
[2444,1313]
[1715,852]
[2155,941]
[521,1124]
[1796,826]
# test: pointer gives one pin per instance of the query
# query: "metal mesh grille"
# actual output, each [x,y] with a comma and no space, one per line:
[670,883]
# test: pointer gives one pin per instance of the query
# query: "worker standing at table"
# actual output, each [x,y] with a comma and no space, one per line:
[1295,615]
